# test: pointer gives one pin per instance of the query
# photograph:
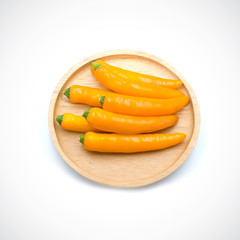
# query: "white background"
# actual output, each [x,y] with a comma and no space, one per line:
[41,196]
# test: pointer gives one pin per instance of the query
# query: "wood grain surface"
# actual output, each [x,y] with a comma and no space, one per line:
[122,170]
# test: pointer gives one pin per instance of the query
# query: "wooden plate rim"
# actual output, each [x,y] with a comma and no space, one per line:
[141,182]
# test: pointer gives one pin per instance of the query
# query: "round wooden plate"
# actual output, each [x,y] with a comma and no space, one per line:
[122,170]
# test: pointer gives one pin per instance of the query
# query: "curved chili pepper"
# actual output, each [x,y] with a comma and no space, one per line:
[74,123]
[86,95]
[121,83]
[116,143]
[137,106]
[123,124]
[139,77]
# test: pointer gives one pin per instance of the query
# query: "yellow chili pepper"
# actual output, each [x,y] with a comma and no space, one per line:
[139,77]
[74,123]
[137,106]
[122,83]
[86,95]
[123,124]
[117,143]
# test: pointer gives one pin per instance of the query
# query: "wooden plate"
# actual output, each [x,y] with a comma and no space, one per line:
[122,170]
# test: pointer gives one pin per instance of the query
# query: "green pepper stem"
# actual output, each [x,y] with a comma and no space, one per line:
[85,114]
[101,99]
[67,92]
[81,139]
[59,119]
[95,65]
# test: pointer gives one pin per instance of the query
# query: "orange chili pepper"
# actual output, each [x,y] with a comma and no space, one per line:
[101,142]
[74,123]
[137,106]
[86,95]
[122,84]
[123,124]
[139,77]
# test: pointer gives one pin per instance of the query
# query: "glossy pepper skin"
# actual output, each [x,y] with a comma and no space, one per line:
[122,83]
[139,77]
[137,106]
[124,124]
[116,143]
[86,95]
[74,123]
